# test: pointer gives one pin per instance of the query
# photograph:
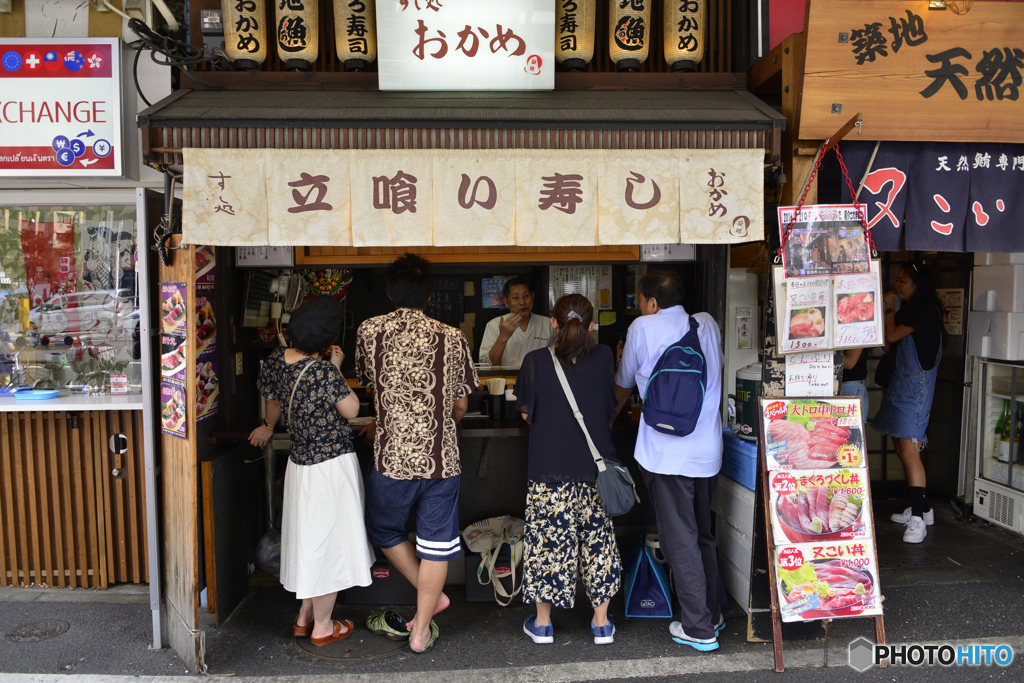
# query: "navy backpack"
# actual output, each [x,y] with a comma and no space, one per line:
[675,392]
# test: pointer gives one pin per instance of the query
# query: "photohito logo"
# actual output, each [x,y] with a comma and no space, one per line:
[864,654]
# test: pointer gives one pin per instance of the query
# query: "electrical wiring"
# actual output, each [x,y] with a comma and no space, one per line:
[172,23]
[110,7]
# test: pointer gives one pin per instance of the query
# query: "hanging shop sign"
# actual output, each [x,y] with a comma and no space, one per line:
[822,543]
[466,45]
[60,107]
[388,198]
[948,76]
[941,196]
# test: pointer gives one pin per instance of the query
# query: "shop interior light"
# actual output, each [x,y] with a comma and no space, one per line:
[574,33]
[629,35]
[355,33]
[685,24]
[6,6]
[245,32]
[936,4]
[297,32]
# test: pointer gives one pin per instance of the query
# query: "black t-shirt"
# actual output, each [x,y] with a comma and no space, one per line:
[558,449]
[859,372]
[927,323]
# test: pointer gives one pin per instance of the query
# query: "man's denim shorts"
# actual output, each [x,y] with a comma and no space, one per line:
[389,502]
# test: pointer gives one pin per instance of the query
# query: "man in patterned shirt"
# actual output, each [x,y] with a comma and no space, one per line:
[421,372]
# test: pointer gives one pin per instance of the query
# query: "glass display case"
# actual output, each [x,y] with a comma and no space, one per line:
[69,307]
[1000,458]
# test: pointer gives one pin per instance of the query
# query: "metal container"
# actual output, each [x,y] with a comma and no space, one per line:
[748,388]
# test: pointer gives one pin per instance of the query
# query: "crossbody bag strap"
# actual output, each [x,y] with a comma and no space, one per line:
[576,411]
[288,417]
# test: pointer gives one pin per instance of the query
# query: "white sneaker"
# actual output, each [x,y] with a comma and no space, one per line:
[916,530]
[679,635]
[904,517]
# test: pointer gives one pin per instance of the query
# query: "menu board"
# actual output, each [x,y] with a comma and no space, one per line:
[814,506]
[809,433]
[827,580]
[819,500]
[829,312]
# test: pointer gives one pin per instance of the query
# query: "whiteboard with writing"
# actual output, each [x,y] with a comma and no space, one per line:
[810,374]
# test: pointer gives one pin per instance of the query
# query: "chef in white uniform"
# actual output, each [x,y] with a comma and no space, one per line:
[507,339]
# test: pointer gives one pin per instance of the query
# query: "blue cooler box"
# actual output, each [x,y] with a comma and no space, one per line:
[739,459]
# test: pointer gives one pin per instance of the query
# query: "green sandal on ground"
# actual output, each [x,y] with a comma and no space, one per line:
[434,633]
[389,624]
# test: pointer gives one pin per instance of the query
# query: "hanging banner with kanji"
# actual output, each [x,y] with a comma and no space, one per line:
[914,73]
[307,199]
[941,196]
[639,198]
[449,198]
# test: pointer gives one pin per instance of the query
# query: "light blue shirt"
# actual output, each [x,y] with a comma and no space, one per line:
[698,454]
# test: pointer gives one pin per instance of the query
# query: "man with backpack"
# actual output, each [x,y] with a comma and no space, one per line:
[675,360]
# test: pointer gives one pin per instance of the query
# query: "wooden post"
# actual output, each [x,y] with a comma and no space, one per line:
[180,492]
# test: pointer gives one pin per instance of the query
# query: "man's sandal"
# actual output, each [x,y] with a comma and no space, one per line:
[389,624]
[434,633]
[342,629]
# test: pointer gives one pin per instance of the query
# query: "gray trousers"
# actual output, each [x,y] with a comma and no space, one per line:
[683,508]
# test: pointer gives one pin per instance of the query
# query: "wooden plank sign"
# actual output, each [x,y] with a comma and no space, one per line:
[914,73]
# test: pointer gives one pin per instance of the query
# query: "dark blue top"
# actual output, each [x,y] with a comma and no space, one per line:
[558,450]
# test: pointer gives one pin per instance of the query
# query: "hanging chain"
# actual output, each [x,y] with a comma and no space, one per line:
[862,209]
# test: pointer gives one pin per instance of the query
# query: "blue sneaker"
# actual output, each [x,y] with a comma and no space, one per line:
[539,634]
[603,635]
[679,635]
[720,626]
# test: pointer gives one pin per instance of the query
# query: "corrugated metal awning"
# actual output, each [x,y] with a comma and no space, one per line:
[571,119]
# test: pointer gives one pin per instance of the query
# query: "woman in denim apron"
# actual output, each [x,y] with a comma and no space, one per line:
[907,403]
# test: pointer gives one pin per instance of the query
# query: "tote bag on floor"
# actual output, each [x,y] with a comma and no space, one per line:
[648,593]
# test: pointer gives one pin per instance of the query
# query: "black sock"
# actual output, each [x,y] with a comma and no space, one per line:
[918,502]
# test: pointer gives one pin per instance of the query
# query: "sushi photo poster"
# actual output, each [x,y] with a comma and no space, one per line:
[172,307]
[827,580]
[817,506]
[813,433]
[857,301]
[172,409]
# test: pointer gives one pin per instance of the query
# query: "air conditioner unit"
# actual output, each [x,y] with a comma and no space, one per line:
[999,505]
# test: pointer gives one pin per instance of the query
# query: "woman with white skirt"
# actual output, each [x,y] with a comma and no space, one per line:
[323,538]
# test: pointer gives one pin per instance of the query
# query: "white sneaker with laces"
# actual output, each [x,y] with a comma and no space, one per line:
[916,530]
[904,517]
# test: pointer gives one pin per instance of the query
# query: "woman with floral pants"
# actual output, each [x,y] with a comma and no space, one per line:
[568,532]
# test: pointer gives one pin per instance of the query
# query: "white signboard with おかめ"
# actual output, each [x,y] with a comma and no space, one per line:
[466,44]
[60,107]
